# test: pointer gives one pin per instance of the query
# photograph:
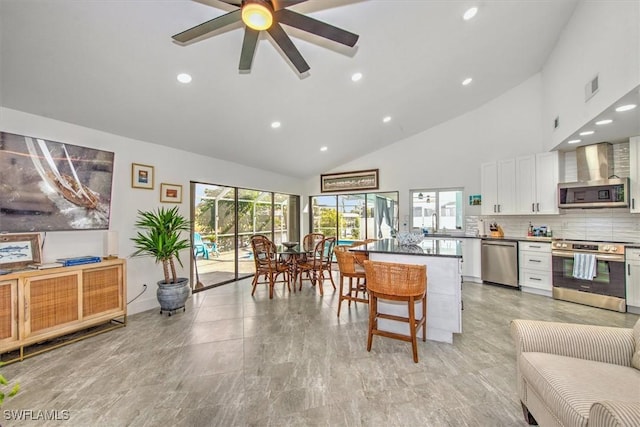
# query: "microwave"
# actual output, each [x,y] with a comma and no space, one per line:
[608,193]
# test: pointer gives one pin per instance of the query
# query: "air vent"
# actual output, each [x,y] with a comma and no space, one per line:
[591,88]
[556,122]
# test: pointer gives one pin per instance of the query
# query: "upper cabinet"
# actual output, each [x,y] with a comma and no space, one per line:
[537,184]
[522,186]
[634,174]
[498,184]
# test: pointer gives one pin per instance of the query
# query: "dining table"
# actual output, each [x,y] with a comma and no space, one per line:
[291,256]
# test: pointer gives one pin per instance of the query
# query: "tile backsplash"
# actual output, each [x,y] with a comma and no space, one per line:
[615,225]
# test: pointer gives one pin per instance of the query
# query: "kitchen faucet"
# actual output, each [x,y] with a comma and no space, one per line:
[434,222]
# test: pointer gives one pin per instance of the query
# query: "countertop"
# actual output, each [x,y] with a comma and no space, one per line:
[444,247]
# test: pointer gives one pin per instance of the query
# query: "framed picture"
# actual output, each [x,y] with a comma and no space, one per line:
[19,250]
[141,176]
[475,200]
[349,181]
[170,193]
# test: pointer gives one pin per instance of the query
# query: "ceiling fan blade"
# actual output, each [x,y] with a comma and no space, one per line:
[287,46]
[232,2]
[248,48]
[313,26]
[281,4]
[209,26]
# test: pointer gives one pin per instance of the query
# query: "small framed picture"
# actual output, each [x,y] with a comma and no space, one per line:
[170,193]
[141,176]
[19,250]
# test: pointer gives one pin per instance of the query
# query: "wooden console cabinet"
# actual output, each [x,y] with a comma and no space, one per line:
[39,305]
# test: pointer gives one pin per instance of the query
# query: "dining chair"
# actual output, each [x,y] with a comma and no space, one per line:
[351,269]
[267,265]
[397,282]
[310,241]
[318,261]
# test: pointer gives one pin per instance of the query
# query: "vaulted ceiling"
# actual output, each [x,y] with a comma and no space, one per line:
[112,66]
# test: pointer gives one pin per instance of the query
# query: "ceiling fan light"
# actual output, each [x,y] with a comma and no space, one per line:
[257,16]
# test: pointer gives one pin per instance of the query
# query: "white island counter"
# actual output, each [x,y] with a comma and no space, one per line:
[444,284]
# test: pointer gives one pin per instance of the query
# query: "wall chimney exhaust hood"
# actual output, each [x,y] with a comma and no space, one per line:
[594,188]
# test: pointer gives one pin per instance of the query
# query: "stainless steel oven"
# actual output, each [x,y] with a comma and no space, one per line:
[605,290]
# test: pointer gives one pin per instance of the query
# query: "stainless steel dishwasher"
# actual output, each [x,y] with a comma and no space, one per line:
[500,262]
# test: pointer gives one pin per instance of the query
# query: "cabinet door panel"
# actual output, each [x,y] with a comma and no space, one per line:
[52,301]
[547,173]
[489,188]
[526,184]
[8,311]
[101,290]
[507,186]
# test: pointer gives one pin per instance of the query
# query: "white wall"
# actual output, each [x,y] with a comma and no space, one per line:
[171,166]
[449,155]
[602,38]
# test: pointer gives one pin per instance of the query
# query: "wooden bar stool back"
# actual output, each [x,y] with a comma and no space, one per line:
[351,269]
[397,282]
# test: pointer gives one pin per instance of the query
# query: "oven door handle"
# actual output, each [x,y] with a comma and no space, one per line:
[599,257]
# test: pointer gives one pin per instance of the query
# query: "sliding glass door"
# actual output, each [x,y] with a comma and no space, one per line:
[357,216]
[225,218]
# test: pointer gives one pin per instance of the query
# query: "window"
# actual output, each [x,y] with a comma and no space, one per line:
[437,209]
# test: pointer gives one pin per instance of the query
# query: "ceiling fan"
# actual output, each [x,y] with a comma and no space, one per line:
[259,15]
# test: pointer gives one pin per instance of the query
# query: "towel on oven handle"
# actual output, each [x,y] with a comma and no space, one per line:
[584,266]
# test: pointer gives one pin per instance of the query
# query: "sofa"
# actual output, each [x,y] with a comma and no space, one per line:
[577,375]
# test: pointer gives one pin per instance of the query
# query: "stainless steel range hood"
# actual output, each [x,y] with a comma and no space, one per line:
[595,188]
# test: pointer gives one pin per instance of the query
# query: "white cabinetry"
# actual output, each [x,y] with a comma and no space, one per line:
[537,183]
[633,280]
[498,184]
[634,174]
[471,261]
[535,267]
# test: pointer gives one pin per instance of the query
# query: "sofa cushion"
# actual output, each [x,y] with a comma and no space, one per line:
[569,386]
[635,362]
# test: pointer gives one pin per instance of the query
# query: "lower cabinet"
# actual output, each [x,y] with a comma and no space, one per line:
[39,305]
[471,260]
[633,280]
[535,267]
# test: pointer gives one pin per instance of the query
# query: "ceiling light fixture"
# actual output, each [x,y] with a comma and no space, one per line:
[387,119]
[324,148]
[356,76]
[470,13]
[586,132]
[276,125]
[467,81]
[257,15]
[625,107]
[604,122]
[184,78]
[574,141]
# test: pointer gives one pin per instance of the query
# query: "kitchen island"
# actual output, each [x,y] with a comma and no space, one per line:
[444,280]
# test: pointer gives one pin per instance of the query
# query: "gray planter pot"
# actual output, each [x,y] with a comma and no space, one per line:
[172,296]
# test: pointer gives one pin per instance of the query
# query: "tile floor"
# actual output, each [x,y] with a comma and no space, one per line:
[236,360]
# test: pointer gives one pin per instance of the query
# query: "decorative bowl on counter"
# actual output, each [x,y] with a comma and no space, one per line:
[289,245]
[406,238]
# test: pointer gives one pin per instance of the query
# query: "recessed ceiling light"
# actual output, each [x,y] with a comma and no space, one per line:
[625,108]
[470,13]
[324,148]
[604,122]
[356,76]
[467,81]
[387,119]
[587,132]
[276,125]
[574,141]
[184,78]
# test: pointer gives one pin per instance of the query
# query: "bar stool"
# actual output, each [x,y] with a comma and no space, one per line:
[349,268]
[397,282]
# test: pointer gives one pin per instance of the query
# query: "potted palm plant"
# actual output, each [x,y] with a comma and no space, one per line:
[161,237]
